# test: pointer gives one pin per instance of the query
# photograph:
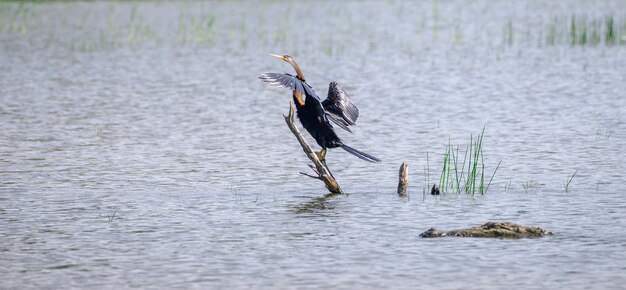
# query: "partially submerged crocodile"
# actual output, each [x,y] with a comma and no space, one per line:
[491,230]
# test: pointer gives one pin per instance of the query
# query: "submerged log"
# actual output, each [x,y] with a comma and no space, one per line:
[403,182]
[319,167]
[506,230]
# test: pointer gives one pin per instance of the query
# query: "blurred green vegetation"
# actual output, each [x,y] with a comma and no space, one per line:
[111,25]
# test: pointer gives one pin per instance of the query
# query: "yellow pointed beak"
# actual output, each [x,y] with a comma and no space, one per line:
[279,56]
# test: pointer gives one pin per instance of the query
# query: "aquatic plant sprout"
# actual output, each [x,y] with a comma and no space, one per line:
[568,181]
[470,179]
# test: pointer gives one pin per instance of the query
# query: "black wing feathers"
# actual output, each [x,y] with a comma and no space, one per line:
[288,81]
[340,108]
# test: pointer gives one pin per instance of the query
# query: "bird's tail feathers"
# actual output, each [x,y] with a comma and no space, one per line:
[360,154]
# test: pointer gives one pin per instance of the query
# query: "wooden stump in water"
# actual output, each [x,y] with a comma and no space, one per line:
[403,182]
[318,166]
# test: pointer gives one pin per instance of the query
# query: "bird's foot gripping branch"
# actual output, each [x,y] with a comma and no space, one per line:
[319,167]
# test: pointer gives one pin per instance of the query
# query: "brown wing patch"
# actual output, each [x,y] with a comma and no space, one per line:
[298,97]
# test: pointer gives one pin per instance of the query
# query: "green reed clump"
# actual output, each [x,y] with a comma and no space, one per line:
[469,177]
[196,30]
[609,31]
[575,30]
[597,31]
[15,20]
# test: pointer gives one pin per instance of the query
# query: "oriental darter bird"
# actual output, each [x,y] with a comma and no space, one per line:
[315,114]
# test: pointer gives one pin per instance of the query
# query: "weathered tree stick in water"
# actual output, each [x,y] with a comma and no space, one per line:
[403,182]
[320,168]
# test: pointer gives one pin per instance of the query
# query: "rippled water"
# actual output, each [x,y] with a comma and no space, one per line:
[138,149]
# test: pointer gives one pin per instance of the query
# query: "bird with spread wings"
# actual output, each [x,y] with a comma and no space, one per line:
[316,115]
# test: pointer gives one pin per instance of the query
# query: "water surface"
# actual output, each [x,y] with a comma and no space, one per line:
[138,149]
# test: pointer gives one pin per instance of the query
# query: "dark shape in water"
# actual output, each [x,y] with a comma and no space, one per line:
[506,230]
[315,114]
[435,190]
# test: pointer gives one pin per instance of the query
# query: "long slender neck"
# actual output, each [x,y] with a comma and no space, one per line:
[297,96]
[299,73]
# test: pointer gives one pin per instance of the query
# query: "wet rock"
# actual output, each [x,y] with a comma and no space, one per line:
[432,233]
[506,230]
[435,190]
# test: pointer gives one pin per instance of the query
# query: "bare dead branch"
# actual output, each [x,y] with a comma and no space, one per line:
[320,169]
[309,175]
